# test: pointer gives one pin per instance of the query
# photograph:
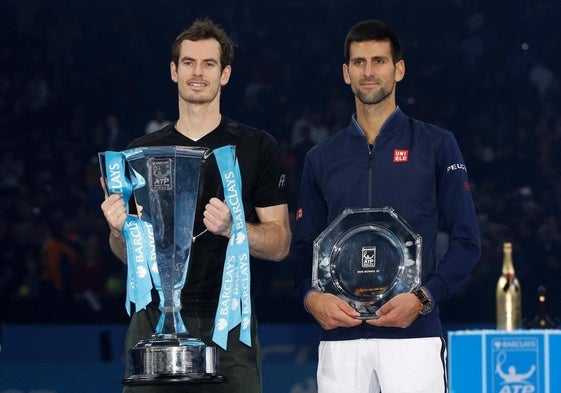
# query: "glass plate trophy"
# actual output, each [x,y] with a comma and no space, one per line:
[165,182]
[366,257]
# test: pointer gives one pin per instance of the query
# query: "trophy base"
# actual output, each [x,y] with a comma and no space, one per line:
[366,317]
[172,359]
[366,310]
[151,380]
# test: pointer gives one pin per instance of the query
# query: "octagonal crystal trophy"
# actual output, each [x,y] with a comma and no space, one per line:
[366,256]
[165,182]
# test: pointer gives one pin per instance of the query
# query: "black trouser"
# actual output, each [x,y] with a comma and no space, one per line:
[240,364]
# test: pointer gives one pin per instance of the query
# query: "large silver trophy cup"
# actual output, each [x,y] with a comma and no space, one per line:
[366,257]
[165,185]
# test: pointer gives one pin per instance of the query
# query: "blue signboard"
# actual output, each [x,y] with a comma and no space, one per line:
[494,361]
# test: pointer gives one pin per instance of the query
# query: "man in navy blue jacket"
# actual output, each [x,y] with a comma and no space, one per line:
[385,158]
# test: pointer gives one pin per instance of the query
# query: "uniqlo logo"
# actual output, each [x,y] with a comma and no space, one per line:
[400,155]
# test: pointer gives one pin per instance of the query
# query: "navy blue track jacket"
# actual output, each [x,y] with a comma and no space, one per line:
[416,168]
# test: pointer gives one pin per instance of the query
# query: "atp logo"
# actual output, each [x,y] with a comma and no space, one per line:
[513,381]
[368,257]
[160,173]
[515,362]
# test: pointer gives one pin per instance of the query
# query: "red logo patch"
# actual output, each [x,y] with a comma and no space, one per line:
[299,213]
[400,155]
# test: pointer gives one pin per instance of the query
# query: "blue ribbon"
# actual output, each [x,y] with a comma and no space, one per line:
[234,304]
[138,234]
[154,272]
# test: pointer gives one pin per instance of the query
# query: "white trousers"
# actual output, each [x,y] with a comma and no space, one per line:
[416,365]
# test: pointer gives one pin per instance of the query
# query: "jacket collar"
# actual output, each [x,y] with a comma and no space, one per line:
[393,122]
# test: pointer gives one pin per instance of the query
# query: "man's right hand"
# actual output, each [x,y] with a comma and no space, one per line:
[115,213]
[330,311]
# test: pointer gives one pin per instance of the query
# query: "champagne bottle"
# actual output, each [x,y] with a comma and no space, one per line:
[542,319]
[508,294]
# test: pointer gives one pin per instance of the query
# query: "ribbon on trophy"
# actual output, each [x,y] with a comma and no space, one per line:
[234,304]
[138,234]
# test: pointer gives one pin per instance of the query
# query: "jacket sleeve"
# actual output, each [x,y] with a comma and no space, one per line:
[311,219]
[458,220]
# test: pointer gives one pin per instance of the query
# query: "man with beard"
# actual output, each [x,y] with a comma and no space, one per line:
[385,158]
[201,66]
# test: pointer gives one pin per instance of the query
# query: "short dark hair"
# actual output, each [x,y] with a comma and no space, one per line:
[203,29]
[373,30]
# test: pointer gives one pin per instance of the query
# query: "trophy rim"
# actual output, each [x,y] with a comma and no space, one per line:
[138,152]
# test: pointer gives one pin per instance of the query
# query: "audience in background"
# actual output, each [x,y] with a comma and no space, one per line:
[72,78]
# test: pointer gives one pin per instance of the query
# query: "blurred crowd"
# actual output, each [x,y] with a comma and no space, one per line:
[78,79]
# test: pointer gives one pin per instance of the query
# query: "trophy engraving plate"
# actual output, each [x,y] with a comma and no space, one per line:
[366,257]
[160,174]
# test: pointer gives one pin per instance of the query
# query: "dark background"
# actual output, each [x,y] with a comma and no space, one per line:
[72,70]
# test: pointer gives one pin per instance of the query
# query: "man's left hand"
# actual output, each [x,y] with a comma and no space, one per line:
[400,311]
[217,217]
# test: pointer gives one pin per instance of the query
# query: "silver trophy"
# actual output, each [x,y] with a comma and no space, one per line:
[166,199]
[366,256]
